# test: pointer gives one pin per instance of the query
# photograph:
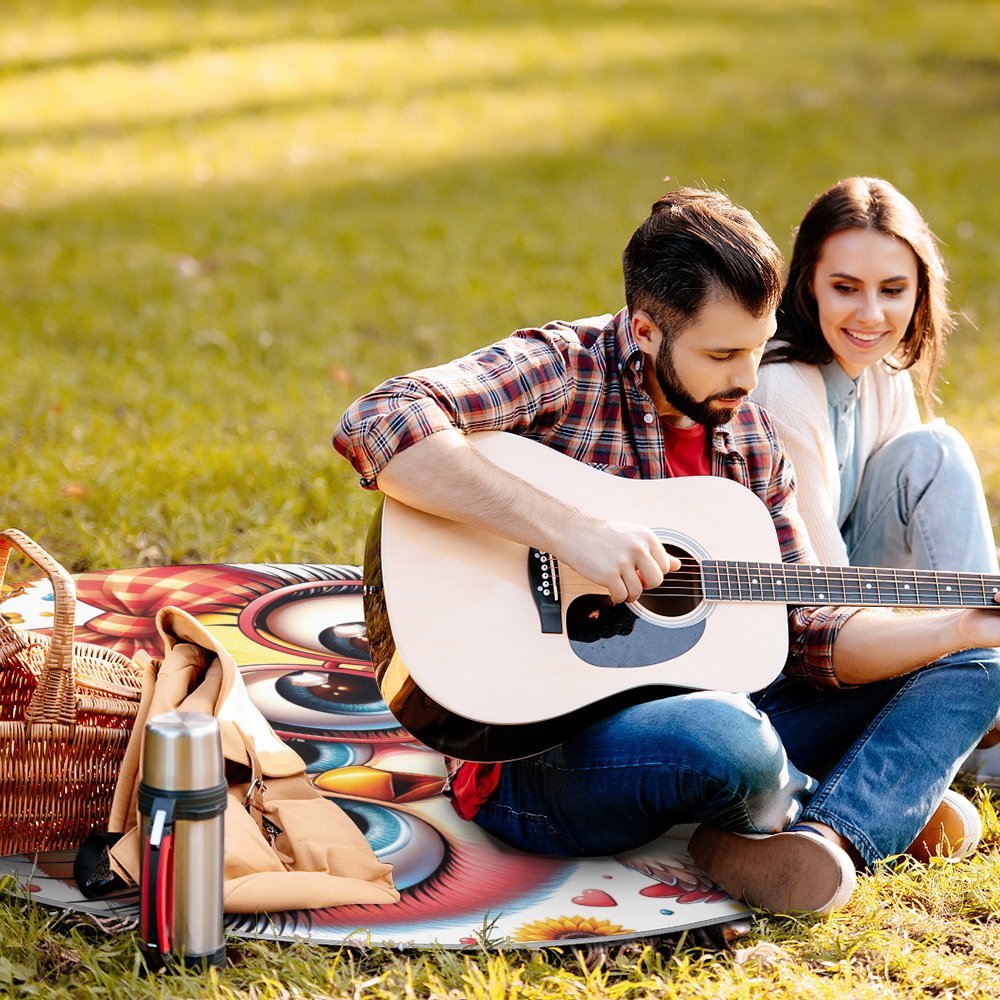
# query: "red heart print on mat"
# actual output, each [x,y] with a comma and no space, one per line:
[594,897]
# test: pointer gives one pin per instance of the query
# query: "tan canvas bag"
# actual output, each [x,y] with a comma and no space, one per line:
[286,847]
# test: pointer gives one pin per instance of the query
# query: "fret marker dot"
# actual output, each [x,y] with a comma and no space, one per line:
[753,579]
[906,586]
[947,588]
[823,596]
[868,586]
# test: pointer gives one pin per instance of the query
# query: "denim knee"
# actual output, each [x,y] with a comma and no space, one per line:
[745,749]
[972,678]
[920,505]
[923,454]
[762,790]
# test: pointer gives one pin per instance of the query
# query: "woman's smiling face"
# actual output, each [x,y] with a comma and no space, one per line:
[865,285]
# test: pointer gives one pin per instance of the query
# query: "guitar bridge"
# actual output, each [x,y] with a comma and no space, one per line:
[543,578]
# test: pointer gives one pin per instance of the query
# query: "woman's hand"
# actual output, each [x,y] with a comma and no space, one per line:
[980,627]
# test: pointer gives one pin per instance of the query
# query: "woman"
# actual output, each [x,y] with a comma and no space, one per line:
[865,304]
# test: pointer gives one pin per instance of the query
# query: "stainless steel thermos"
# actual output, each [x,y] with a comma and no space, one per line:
[182,801]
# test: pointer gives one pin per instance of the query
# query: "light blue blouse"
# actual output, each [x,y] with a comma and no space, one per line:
[842,402]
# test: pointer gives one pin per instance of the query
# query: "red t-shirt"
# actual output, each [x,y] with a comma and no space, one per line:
[472,785]
[686,450]
[686,455]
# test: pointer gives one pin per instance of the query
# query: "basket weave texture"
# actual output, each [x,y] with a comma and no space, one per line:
[66,712]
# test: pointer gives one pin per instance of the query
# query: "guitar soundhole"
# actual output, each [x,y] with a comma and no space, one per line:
[680,593]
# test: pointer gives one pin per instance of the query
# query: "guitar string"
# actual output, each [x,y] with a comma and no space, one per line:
[806,573]
[810,571]
[688,581]
[833,599]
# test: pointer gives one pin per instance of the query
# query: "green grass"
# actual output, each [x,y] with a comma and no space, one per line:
[911,932]
[221,221]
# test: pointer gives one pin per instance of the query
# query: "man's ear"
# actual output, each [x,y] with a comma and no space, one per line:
[646,333]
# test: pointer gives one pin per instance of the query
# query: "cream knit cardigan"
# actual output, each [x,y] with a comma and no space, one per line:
[794,395]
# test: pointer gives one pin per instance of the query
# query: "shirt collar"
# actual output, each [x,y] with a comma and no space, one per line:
[840,387]
[632,360]
[722,440]
[630,357]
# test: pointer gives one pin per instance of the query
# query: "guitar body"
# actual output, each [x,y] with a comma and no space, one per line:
[475,663]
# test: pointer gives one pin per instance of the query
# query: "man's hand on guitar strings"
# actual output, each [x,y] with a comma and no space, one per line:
[622,557]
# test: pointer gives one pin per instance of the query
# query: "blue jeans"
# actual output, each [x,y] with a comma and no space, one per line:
[921,506]
[695,757]
[885,753]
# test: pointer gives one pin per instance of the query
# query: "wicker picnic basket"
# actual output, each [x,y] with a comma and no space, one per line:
[66,711]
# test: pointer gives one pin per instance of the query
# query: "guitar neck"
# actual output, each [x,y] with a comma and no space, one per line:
[801,583]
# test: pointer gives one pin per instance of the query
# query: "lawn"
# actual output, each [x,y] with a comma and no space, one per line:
[221,221]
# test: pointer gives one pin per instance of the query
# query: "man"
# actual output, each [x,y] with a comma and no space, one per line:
[860,738]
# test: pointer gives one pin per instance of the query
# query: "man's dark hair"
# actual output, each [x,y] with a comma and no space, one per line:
[694,244]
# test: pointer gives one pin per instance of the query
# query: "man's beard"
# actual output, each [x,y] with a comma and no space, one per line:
[680,399]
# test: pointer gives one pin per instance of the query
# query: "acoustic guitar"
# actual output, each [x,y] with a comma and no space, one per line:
[488,650]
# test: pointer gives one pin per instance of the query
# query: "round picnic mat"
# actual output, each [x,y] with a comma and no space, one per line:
[297,632]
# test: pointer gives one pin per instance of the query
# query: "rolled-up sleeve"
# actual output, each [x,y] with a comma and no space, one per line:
[812,632]
[382,423]
[515,384]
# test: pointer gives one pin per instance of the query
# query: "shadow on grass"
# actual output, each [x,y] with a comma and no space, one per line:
[241,24]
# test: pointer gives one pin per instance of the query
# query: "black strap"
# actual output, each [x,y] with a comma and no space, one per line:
[92,866]
[198,803]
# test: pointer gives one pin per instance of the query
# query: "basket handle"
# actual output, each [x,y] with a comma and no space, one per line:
[54,700]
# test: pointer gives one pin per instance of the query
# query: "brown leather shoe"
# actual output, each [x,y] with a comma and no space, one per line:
[953,832]
[788,872]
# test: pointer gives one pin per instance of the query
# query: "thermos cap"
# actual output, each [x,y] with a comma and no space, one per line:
[182,752]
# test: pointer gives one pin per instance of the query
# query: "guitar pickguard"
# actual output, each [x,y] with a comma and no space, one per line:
[613,635]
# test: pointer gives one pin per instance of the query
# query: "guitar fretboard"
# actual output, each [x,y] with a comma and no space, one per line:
[792,583]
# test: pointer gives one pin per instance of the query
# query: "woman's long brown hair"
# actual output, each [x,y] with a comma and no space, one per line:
[866,203]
